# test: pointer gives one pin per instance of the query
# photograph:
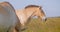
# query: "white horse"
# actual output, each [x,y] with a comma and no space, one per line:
[8,17]
[29,11]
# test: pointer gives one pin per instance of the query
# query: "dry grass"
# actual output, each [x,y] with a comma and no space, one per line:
[51,25]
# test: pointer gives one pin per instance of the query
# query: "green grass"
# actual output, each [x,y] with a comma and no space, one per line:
[35,25]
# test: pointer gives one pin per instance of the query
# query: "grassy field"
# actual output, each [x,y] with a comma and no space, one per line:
[35,25]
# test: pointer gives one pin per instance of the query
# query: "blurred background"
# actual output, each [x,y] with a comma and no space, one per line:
[50,7]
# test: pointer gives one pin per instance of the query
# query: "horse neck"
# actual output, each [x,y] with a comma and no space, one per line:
[29,12]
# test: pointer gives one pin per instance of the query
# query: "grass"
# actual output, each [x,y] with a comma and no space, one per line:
[35,25]
[3,29]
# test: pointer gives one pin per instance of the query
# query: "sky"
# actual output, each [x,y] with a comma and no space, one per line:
[50,7]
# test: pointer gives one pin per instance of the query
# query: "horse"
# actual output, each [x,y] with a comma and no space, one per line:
[8,17]
[28,12]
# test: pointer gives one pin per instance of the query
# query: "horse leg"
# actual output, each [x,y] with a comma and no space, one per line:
[23,26]
[11,29]
[15,29]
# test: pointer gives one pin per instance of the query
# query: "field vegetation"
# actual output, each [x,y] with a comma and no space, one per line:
[51,25]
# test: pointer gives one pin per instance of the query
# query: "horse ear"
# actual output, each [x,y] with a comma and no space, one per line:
[40,7]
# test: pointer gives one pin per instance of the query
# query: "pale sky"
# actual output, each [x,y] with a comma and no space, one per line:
[50,7]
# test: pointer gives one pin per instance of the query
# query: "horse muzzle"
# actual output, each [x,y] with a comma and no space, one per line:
[44,19]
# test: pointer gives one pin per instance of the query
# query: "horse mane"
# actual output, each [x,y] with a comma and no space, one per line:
[32,6]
